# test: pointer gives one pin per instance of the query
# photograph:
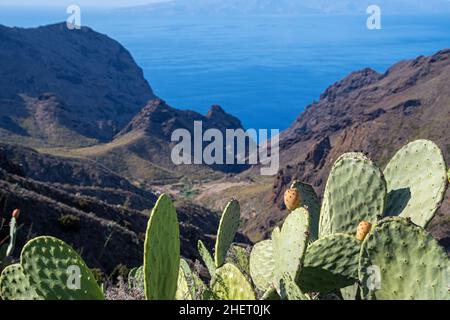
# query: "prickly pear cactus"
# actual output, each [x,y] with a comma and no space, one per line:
[239,257]
[355,191]
[230,284]
[271,294]
[206,257]
[190,286]
[136,278]
[14,285]
[262,265]
[310,201]
[229,225]
[57,272]
[330,263]
[351,292]
[416,178]
[183,288]
[289,289]
[162,251]
[401,261]
[289,245]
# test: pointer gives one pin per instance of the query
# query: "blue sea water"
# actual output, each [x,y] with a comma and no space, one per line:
[264,70]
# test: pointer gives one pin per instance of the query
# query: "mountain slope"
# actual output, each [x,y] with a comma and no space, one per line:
[102,215]
[141,151]
[369,112]
[62,87]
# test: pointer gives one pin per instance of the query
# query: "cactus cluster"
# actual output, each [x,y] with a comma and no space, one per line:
[371,239]
[366,240]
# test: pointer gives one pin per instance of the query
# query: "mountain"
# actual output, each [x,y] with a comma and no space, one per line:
[77,93]
[62,87]
[142,150]
[288,7]
[366,111]
[62,91]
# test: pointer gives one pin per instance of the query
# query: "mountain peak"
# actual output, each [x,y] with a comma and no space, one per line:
[214,111]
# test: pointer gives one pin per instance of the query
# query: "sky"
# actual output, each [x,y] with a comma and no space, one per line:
[81,3]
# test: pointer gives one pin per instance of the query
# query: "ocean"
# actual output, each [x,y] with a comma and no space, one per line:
[264,70]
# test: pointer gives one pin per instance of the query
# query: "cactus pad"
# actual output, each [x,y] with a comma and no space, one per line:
[183,288]
[229,225]
[230,284]
[271,294]
[330,263]
[355,191]
[416,178]
[401,261]
[239,257]
[206,257]
[262,265]
[136,278]
[162,251]
[289,289]
[310,201]
[57,272]
[195,286]
[289,245]
[14,285]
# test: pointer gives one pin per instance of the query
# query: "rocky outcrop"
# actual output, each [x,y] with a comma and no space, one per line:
[62,87]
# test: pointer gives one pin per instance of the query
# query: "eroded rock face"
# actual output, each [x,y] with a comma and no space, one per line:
[66,87]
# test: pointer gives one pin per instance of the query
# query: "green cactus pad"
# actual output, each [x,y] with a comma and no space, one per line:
[271,294]
[289,289]
[310,201]
[162,251]
[262,265]
[230,284]
[330,263]
[289,246]
[401,261]
[206,257]
[239,257]
[136,278]
[14,285]
[351,292]
[355,191]
[195,285]
[183,288]
[416,179]
[57,272]
[229,225]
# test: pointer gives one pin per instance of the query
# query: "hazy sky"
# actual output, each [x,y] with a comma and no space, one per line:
[85,3]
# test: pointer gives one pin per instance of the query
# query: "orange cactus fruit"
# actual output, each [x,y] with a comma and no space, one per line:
[363,229]
[292,199]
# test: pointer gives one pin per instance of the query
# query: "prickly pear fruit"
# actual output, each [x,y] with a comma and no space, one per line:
[16,213]
[363,229]
[292,199]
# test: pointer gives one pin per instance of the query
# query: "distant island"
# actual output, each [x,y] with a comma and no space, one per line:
[288,7]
